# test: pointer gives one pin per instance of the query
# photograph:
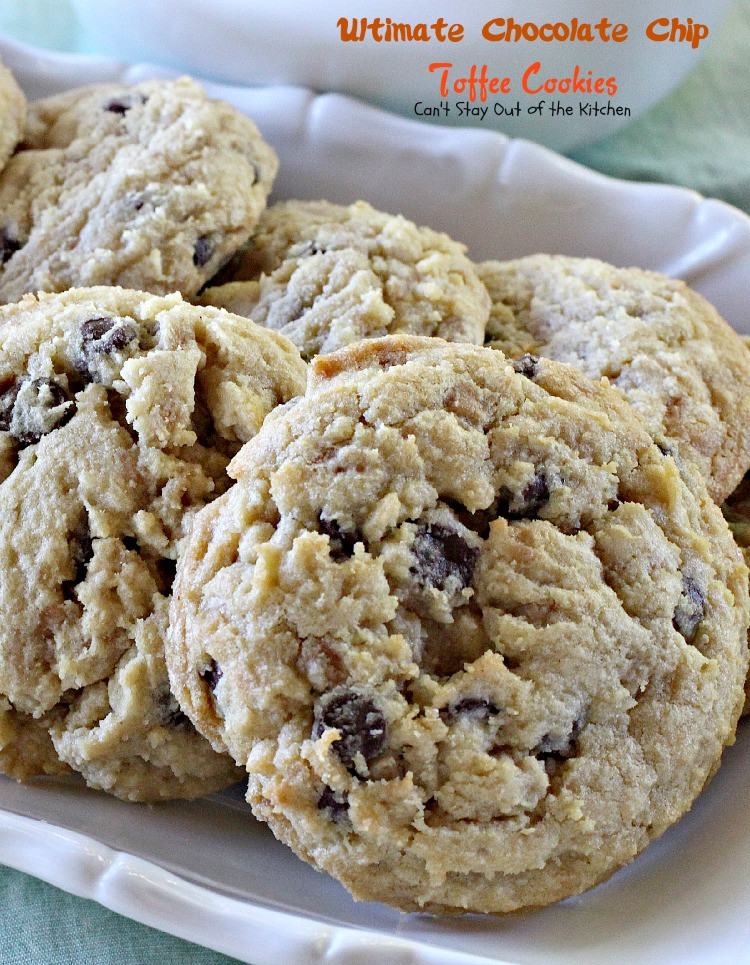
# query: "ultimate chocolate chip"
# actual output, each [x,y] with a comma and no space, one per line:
[202,251]
[81,547]
[167,571]
[342,542]
[664,449]
[117,107]
[534,495]
[168,710]
[121,336]
[527,365]
[441,553]
[101,336]
[8,245]
[7,401]
[37,398]
[361,725]
[212,675]
[334,802]
[172,716]
[304,248]
[689,610]
[473,708]
[94,328]
[558,749]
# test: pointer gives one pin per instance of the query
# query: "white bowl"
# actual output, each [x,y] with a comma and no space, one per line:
[208,872]
[280,42]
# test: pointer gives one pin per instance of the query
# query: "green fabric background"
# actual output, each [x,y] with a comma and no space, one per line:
[699,137]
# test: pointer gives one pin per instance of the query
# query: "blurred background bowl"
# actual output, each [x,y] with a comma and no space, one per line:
[262,42]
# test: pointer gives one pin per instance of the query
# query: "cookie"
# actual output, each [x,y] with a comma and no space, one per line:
[152,186]
[119,412]
[12,120]
[326,275]
[457,618]
[664,346]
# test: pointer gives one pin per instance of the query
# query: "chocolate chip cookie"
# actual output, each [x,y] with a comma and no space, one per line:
[152,186]
[664,346]
[12,120]
[326,275]
[119,412]
[476,637]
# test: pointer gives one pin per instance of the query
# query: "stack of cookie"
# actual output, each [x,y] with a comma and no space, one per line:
[458,599]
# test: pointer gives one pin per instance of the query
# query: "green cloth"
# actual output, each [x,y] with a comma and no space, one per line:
[699,137]
[40,925]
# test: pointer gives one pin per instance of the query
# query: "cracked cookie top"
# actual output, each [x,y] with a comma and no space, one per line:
[119,412]
[476,638]
[326,275]
[152,186]
[677,361]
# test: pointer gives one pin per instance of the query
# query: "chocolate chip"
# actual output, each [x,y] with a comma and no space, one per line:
[305,248]
[167,570]
[441,554]
[29,415]
[559,748]
[169,711]
[534,495]
[202,251]
[472,708]
[116,106]
[527,365]
[335,803]
[176,718]
[212,675]
[123,335]
[8,245]
[94,328]
[361,725]
[689,610]
[613,504]
[131,543]
[102,336]
[81,547]
[7,401]
[342,542]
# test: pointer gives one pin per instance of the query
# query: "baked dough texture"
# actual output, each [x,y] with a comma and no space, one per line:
[475,637]
[119,412]
[150,186]
[677,361]
[327,275]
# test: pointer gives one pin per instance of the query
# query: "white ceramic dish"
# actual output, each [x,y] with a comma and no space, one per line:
[206,871]
[286,42]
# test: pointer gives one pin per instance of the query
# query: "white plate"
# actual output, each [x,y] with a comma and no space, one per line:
[206,871]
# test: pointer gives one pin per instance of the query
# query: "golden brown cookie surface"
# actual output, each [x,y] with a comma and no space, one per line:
[151,186]
[659,342]
[119,412]
[457,620]
[326,275]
